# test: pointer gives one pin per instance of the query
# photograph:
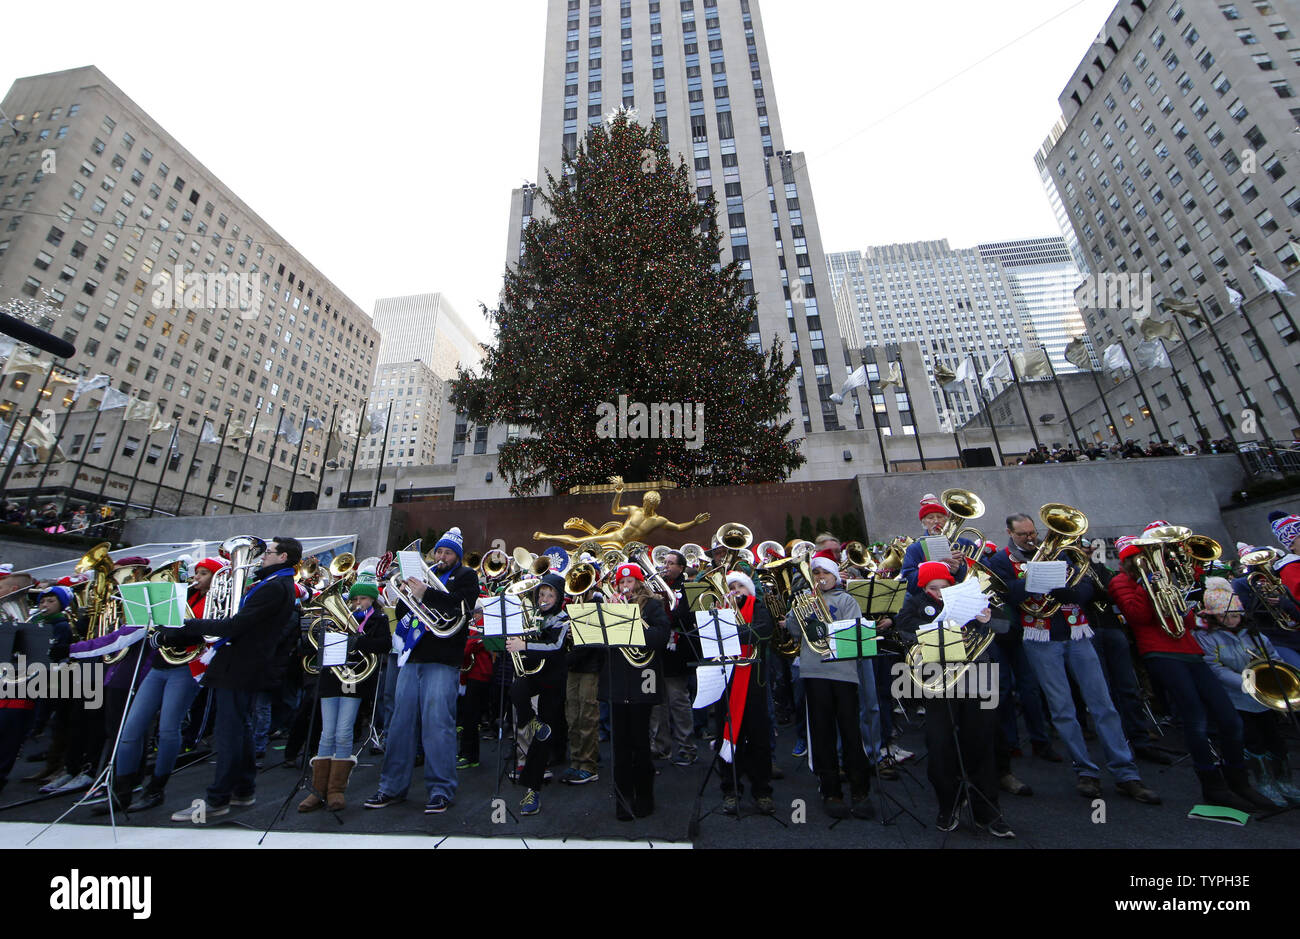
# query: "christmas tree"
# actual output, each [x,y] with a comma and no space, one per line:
[620,292]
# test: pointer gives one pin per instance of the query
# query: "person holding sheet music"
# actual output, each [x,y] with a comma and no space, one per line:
[1063,641]
[955,725]
[632,691]
[547,685]
[933,517]
[831,695]
[340,703]
[747,728]
[428,685]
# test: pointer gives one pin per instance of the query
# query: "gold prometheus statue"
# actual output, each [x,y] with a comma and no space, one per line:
[642,522]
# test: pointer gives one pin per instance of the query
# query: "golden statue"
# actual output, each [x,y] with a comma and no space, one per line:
[642,522]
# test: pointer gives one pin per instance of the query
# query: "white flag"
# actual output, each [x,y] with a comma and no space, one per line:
[114,399]
[1272,283]
[1114,358]
[137,410]
[1235,298]
[1032,363]
[965,371]
[1151,354]
[313,423]
[288,429]
[378,421]
[1001,370]
[1076,353]
[86,385]
[1153,328]
[1295,251]
[856,380]
[209,433]
[894,376]
[22,361]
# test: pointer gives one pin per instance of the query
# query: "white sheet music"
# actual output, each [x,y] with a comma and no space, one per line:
[963,602]
[937,548]
[335,649]
[411,564]
[503,616]
[710,682]
[1042,576]
[720,639]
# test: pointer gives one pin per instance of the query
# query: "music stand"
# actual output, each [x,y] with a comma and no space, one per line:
[613,625]
[503,616]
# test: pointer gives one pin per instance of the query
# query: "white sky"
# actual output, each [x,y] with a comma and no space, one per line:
[382,139]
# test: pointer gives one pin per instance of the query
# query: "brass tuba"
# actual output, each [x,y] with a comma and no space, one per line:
[1169,602]
[1267,586]
[636,554]
[444,626]
[810,604]
[963,506]
[225,592]
[935,682]
[1065,526]
[104,607]
[335,616]
[523,590]
[855,554]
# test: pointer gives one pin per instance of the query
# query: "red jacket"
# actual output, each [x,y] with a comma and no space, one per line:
[477,665]
[1135,606]
[1290,577]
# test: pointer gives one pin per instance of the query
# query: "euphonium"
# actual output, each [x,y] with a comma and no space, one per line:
[13,597]
[636,555]
[718,597]
[335,616]
[893,559]
[580,578]
[1267,586]
[735,537]
[777,582]
[855,555]
[812,605]
[495,565]
[441,625]
[1065,526]
[770,551]
[1272,683]
[963,506]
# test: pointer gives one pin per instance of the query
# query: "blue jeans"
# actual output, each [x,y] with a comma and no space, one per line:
[261,721]
[426,694]
[384,707]
[1011,659]
[233,735]
[337,715]
[1198,696]
[1050,661]
[869,710]
[167,692]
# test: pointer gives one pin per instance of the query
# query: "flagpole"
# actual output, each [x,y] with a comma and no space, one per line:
[356,448]
[171,445]
[988,412]
[388,428]
[85,447]
[294,478]
[216,469]
[1214,399]
[139,465]
[947,403]
[13,459]
[1201,431]
[234,496]
[1141,388]
[1282,306]
[270,459]
[189,474]
[916,427]
[875,419]
[1051,369]
[40,483]
[1029,418]
[1268,358]
[1236,375]
[320,481]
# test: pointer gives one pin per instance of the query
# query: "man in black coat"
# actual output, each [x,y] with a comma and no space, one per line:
[240,666]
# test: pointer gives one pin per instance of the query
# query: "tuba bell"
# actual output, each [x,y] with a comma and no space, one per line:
[1169,602]
[334,616]
[1266,586]
[1065,526]
[963,506]
[1272,683]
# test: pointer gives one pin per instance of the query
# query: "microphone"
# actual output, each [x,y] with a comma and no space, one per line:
[29,334]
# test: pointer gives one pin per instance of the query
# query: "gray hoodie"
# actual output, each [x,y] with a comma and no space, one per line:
[842,606]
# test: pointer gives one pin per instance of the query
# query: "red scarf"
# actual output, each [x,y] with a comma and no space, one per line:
[739,690]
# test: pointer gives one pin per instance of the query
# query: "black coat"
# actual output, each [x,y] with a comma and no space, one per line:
[257,634]
[682,620]
[462,595]
[374,639]
[623,683]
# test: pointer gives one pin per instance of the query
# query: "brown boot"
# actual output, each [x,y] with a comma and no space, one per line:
[320,777]
[340,770]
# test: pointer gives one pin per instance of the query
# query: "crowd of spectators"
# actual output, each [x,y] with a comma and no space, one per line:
[1128,450]
[48,517]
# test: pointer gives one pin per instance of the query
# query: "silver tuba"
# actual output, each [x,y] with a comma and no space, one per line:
[441,625]
[224,593]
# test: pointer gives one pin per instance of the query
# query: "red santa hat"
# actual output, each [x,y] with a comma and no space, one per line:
[1158,523]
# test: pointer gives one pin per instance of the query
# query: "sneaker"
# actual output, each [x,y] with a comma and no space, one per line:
[1138,792]
[899,754]
[947,821]
[249,799]
[1009,783]
[382,800]
[800,748]
[1089,787]
[579,777]
[541,731]
[54,784]
[766,805]
[777,772]
[886,769]
[74,783]
[730,805]
[259,759]
[531,804]
[465,762]
[684,759]
[204,810]
[835,807]
[439,804]
[548,775]
[999,829]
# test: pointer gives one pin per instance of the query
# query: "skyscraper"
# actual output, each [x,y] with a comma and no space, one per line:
[425,327]
[724,124]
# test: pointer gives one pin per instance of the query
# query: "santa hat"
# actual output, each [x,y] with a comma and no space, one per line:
[1127,547]
[1285,527]
[454,540]
[822,563]
[929,507]
[736,577]
[1158,523]
[829,555]
[302,591]
[930,571]
[629,570]
[211,564]
[1219,598]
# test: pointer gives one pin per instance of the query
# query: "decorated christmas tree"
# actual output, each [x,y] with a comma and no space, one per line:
[622,342]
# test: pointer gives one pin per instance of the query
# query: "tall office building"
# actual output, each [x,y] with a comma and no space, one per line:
[954,302]
[1054,197]
[415,394]
[700,70]
[99,206]
[1043,276]
[1178,160]
[428,328]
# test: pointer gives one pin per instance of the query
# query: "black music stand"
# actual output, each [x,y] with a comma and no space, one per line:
[503,610]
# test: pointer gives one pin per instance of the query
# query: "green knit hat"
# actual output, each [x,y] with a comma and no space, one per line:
[364,590]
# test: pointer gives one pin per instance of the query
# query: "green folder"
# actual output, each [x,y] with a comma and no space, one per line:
[154,604]
[1218,813]
[855,642]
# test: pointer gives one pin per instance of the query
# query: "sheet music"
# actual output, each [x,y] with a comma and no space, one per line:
[937,548]
[503,616]
[334,651]
[710,682]
[963,602]
[1042,576]
[722,639]
[411,564]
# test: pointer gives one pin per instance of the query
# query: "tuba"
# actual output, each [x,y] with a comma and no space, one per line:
[13,597]
[718,597]
[1272,683]
[636,555]
[777,580]
[495,565]
[104,607]
[1266,586]
[855,555]
[1169,602]
[694,554]
[224,592]
[444,626]
[1065,526]
[935,682]
[963,506]
[810,604]
[334,616]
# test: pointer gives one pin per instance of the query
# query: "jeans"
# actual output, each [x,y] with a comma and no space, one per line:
[262,720]
[236,772]
[868,710]
[337,715]
[389,691]
[426,693]
[1111,646]
[1050,660]
[1197,694]
[1011,659]
[168,693]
